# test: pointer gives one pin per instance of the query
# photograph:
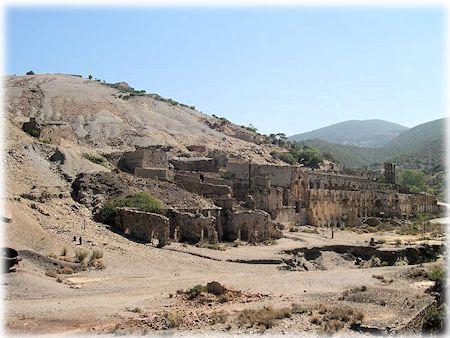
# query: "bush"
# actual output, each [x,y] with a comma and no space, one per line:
[35,132]
[96,254]
[308,156]
[195,291]
[141,201]
[46,140]
[437,274]
[64,251]
[434,320]
[81,255]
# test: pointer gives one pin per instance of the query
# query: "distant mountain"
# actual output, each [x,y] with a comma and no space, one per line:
[421,147]
[366,133]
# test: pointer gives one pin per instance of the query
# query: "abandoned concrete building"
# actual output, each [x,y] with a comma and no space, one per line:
[254,202]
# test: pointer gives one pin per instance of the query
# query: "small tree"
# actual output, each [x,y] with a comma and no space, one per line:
[90,77]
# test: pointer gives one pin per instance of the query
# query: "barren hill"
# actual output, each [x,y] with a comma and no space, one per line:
[107,117]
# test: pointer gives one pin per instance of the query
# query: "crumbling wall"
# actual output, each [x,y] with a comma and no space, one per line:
[279,176]
[145,157]
[202,164]
[322,180]
[193,183]
[269,200]
[347,208]
[145,226]
[154,173]
[250,225]
[193,227]
[288,216]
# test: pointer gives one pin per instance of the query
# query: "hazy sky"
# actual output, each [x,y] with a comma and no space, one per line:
[284,70]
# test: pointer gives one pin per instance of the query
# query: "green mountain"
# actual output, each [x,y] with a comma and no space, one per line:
[420,148]
[366,133]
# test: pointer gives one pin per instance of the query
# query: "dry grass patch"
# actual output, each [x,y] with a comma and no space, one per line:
[66,270]
[81,255]
[265,316]
[51,273]
[332,319]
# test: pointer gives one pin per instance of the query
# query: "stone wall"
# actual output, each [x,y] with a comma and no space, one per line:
[155,173]
[288,216]
[193,183]
[322,180]
[279,176]
[200,164]
[193,227]
[347,208]
[144,226]
[250,225]
[146,157]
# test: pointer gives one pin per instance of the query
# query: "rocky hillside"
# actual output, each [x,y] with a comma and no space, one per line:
[111,117]
[366,133]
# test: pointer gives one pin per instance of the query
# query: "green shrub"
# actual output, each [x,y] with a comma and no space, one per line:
[434,320]
[437,274]
[35,132]
[195,291]
[97,159]
[141,201]
[308,156]
[46,140]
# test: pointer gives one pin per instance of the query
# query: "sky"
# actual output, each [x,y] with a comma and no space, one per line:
[287,70]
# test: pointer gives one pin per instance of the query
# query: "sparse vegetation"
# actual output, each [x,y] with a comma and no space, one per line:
[297,309]
[97,159]
[66,270]
[252,128]
[437,274]
[131,92]
[434,320]
[51,273]
[212,246]
[81,255]
[46,140]
[333,319]
[96,254]
[265,316]
[195,291]
[141,201]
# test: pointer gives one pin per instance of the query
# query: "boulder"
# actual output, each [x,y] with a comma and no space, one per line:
[216,288]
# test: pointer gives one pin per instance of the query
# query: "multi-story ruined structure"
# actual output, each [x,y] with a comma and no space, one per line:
[254,201]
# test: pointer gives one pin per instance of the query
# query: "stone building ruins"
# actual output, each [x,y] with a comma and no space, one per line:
[254,202]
